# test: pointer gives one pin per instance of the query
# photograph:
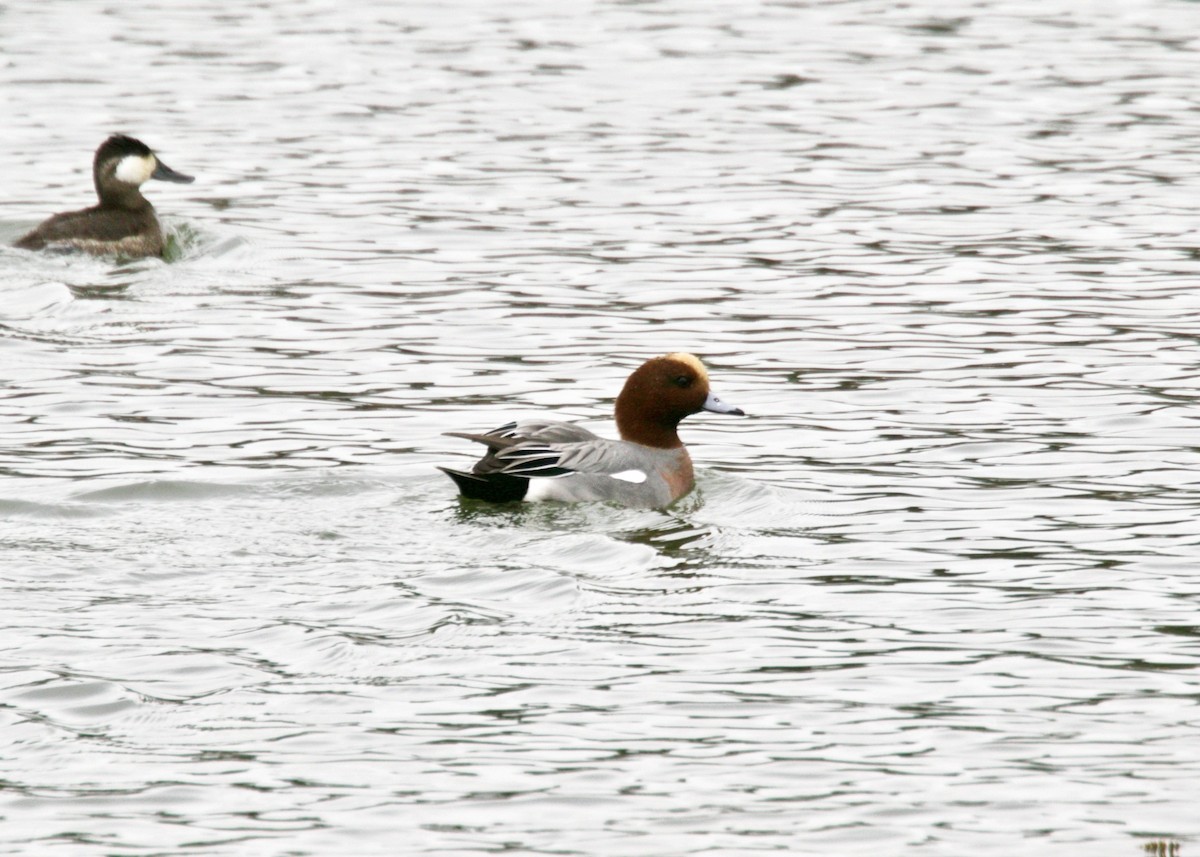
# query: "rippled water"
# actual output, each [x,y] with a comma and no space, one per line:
[937,595]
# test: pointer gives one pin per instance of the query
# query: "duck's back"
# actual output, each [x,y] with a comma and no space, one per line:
[101,230]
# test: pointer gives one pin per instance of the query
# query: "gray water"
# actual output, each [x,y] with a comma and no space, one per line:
[937,595]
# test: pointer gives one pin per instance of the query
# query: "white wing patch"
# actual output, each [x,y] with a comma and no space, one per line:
[637,477]
[135,169]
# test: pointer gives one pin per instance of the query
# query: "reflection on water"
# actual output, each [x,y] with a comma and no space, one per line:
[937,595]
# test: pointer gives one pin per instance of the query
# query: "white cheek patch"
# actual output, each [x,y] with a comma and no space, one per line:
[135,169]
[637,477]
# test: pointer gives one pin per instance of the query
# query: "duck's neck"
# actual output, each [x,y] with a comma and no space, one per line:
[657,435]
[127,196]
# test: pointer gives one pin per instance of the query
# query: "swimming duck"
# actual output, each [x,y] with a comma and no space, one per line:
[649,467]
[124,223]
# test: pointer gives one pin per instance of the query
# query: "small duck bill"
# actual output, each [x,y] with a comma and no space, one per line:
[165,174]
[716,406]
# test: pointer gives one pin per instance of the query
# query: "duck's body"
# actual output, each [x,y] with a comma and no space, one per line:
[124,222]
[648,468]
[100,231]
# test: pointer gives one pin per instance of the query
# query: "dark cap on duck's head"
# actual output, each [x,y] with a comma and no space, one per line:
[118,146]
[659,394]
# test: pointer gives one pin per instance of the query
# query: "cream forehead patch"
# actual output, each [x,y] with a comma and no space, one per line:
[135,169]
[690,360]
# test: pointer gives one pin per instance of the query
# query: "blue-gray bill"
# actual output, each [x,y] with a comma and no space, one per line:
[164,173]
[712,403]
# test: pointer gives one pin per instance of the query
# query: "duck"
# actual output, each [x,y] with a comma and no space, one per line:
[649,467]
[124,222]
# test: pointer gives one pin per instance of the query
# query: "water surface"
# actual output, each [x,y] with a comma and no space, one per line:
[937,595]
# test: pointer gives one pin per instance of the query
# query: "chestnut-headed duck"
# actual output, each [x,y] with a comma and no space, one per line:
[649,467]
[124,222]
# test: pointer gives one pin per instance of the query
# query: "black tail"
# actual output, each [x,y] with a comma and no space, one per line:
[495,487]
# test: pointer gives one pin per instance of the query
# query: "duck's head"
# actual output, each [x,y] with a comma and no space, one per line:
[659,394]
[123,164]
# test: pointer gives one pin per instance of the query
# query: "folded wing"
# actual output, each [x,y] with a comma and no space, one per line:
[546,450]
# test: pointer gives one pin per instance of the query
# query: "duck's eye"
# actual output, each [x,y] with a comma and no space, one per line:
[682,381]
